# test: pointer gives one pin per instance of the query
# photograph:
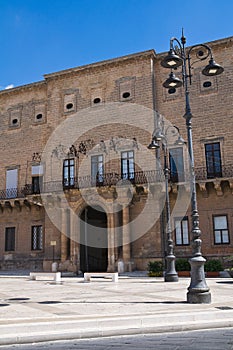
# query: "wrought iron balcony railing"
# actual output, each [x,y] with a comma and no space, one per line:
[111,179]
[105,180]
[226,171]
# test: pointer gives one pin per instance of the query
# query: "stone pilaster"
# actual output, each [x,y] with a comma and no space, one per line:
[126,236]
[111,241]
[64,238]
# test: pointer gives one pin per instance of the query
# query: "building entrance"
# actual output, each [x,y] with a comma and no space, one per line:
[93,240]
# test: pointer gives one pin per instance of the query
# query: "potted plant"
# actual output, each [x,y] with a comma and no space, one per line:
[228,263]
[230,271]
[212,267]
[155,268]
[183,267]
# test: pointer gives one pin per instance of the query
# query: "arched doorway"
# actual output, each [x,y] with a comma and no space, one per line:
[93,240]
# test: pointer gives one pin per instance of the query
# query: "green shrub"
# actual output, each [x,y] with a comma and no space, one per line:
[213,265]
[182,264]
[155,268]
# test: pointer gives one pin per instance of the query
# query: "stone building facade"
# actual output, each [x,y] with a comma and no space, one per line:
[79,185]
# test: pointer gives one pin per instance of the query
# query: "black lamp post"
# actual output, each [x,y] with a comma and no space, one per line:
[161,136]
[198,291]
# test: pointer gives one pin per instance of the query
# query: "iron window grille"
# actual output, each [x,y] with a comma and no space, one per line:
[37,237]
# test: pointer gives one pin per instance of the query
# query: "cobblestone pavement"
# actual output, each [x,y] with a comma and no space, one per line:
[217,339]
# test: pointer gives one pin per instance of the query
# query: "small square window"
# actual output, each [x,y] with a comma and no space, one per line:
[127,89]
[69,103]
[15,115]
[40,113]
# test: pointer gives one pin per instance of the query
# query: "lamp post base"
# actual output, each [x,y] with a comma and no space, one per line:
[198,291]
[171,274]
[199,298]
[171,277]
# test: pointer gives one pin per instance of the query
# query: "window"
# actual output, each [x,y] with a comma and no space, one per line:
[68,173]
[181,231]
[37,237]
[11,183]
[176,164]
[221,233]
[10,239]
[127,165]
[213,160]
[97,169]
[37,178]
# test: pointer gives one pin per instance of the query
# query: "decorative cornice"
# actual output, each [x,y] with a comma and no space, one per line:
[23,87]
[118,60]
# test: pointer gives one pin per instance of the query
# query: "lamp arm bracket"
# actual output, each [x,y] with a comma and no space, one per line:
[177,132]
[202,54]
[177,49]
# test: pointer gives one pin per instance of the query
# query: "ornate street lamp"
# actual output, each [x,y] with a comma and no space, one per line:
[198,291]
[161,136]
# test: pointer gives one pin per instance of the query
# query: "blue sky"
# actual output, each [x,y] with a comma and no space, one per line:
[44,36]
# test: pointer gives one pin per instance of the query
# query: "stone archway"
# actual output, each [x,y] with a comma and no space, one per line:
[93,240]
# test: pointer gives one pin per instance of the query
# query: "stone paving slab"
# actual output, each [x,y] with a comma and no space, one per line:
[39,310]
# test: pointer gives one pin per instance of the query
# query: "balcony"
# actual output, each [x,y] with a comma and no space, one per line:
[225,173]
[112,179]
[105,180]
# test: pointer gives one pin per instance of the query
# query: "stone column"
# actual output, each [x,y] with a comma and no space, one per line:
[126,237]
[116,234]
[64,238]
[111,250]
[74,241]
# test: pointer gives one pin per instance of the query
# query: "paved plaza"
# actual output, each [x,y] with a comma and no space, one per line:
[32,311]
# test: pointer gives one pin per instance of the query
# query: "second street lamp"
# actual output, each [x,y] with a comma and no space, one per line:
[198,291]
[161,136]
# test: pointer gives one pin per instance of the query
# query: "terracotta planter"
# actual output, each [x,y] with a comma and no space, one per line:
[212,274]
[183,273]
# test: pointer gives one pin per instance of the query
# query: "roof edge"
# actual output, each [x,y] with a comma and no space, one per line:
[146,53]
[21,87]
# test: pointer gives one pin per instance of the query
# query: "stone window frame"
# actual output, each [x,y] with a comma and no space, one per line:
[39,108]
[70,97]
[126,84]
[39,244]
[181,220]
[207,140]
[7,230]
[15,113]
[227,229]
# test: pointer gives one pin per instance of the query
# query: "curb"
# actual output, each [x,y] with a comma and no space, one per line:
[26,331]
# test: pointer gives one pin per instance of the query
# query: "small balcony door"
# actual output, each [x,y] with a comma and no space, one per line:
[127,165]
[11,183]
[213,160]
[68,173]
[97,169]
[176,164]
